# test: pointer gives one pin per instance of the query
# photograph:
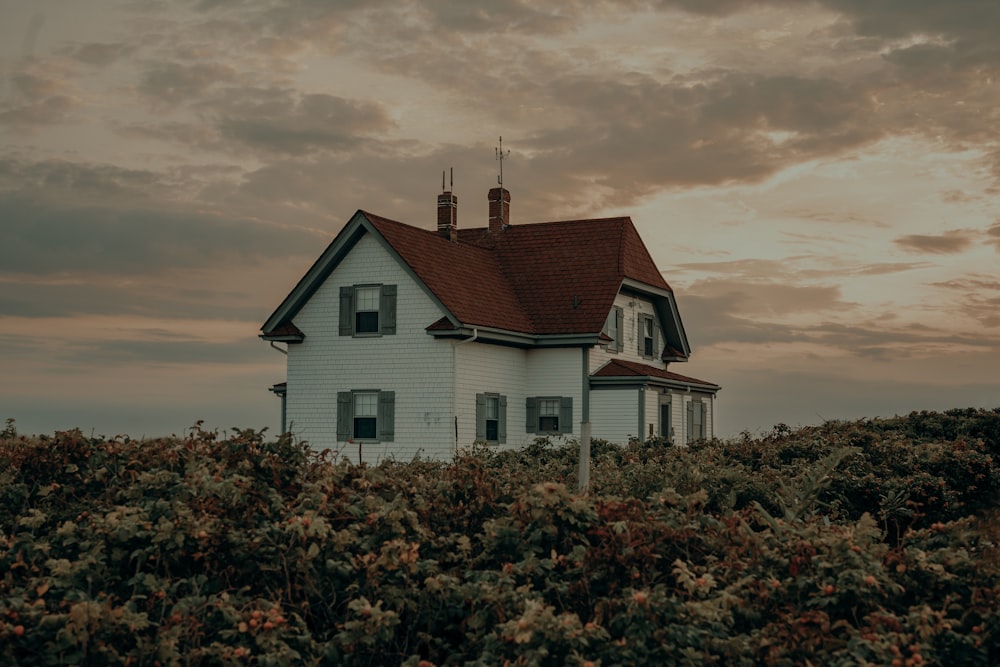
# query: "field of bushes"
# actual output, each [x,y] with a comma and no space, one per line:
[874,542]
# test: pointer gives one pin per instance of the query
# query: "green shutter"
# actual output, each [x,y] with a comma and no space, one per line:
[480,416]
[531,411]
[689,436]
[346,311]
[386,415]
[620,325]
[698,415]
[566,414]
[502,426]
[345,406]
[387,310]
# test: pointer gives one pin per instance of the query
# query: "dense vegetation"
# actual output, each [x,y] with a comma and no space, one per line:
[873,542]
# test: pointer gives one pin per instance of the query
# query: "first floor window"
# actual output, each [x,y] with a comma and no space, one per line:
[491,418]
[696,420]
[665,419]
[366,415]
[549,414]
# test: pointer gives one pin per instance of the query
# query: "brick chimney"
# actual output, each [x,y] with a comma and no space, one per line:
[499,209]
[448,216]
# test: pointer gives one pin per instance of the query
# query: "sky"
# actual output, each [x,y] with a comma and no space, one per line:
[818,181]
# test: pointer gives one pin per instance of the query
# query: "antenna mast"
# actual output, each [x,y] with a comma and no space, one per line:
[500,155]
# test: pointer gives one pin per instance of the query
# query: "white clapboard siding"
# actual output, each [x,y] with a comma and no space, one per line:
[415,366]
[614,414]
[557,372]
[481,369]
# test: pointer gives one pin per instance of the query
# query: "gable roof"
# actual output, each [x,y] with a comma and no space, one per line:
[542,279]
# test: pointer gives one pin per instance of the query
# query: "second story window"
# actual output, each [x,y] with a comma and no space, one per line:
[613,328]
[366,309]
[647,336]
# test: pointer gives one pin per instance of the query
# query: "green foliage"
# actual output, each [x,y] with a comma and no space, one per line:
[871,542]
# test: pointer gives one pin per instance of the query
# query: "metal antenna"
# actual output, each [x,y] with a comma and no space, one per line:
[500,155]
[442,180]
[452,169]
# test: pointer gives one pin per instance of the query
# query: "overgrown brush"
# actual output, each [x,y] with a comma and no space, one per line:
[871,542]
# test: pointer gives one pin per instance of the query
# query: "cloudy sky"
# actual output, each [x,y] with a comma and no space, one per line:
[818,181]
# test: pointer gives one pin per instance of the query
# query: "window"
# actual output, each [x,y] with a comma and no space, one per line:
[647,336]
[367,310]
[696,420]
[613,328]
[366,301]
[549,414]
[491,418]
[665,426]
[367,415]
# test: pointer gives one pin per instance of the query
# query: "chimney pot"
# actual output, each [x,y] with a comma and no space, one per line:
[448,216]
[499,209]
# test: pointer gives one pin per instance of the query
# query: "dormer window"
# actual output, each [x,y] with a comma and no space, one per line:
[647,336]
[613,329]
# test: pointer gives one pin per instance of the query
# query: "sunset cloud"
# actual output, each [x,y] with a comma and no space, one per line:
[948,243]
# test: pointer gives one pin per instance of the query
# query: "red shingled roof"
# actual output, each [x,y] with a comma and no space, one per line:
[544,278]
[622,368]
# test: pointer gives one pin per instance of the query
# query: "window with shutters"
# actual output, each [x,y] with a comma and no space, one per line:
[696,420]
[491,418]
[367,310]
[366,415]
[549,414]
[613,329]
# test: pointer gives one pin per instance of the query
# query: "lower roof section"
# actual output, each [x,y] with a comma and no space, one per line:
[619,372]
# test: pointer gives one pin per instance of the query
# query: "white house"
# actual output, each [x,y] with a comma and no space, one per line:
[404,341]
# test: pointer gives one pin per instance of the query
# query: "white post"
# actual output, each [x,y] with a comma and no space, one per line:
[584,456]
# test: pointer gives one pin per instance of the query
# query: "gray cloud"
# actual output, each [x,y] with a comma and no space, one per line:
[100,54]
[948,243]
[172,83]
[63,217]
[40,95]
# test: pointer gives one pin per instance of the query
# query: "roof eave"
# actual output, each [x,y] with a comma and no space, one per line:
[517,338]
[292,339]
[618,380]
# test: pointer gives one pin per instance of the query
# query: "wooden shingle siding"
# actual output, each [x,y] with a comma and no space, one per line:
[494,369]
[633,309]
[419,374]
